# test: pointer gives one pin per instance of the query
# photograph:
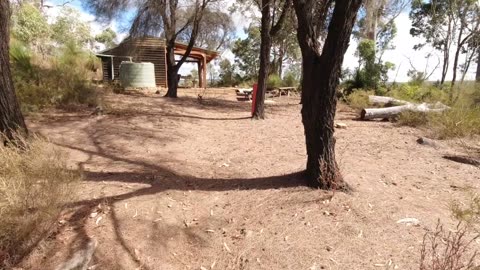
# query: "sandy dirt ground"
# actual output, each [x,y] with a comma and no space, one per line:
[183,184]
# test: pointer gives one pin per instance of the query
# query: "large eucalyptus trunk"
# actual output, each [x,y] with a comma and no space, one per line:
[11,118]
[265,47]
[321,73]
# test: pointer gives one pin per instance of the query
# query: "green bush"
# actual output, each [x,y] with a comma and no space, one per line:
[290,80]
[359,99]
[274,81]
[413,119]
[461,120]
[62,80]
[419,93]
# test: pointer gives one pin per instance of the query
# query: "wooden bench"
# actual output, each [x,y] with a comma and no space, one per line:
[285,91]
[246,93]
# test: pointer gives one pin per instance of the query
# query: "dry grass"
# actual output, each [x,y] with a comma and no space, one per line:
[359,100]
[62,80]
[413,119]
[34,185]
[462,120]
[458,122]
[452,250]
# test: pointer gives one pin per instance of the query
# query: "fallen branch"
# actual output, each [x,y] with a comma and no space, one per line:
[463,159]
[390,112]
[385,100]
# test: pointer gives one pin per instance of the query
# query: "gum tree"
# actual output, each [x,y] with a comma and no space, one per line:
[11,118]
[324,29]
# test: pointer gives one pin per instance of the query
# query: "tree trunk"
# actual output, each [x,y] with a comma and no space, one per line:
[321,73]
[389,112]
[446,53]
[172,72]
[466,67]
[373,9]
[455,62]
[265,46]
[385,100]
[477,77]
[11,118]
[281,59]
[318,113]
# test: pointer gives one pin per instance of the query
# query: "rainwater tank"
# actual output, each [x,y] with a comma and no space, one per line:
[137,75]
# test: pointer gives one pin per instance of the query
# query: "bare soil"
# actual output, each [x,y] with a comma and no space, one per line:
[184,184]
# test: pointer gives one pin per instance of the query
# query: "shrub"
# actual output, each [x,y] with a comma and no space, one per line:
[469,213]
[419,93]
[55,81]
[274,81]
[459,121]
[448,250]
[413,119]
[34,185]
[359,99]
[290,80]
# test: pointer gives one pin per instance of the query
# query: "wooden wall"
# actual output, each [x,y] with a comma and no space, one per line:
[141,50]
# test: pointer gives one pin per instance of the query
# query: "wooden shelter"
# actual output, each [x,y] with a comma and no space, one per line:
[153,50]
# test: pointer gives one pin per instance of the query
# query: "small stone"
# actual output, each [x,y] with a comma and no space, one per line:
[341,125]
[427,142]
[409,221]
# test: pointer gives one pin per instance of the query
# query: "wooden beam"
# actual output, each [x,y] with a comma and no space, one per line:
[204,72]
[200,72]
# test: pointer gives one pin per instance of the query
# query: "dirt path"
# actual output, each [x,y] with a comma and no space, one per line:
[175,184]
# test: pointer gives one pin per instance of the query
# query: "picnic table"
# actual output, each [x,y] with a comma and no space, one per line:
[244,92]
[285,91]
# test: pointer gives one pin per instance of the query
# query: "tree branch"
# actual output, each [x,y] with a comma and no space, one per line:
[278,26]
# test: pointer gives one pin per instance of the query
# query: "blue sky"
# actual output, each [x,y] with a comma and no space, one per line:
[403,42]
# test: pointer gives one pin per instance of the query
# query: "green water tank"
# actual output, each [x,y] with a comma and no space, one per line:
[137,75]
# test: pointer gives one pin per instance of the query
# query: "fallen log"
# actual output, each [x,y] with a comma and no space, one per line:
[373,113]
[390,112]
[463,159]
[386,100]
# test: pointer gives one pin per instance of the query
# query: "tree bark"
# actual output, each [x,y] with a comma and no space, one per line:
[265,46]
[455,62]
[269,29]
[460,44]
[281,59]
[11,118]
[389,112]
[321,73]
[172,73]
[446,53]
[477,77]
[468,61]
[385,100]
[171,33]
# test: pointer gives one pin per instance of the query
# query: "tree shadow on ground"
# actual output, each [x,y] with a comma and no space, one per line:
[99,142]
[159,179]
